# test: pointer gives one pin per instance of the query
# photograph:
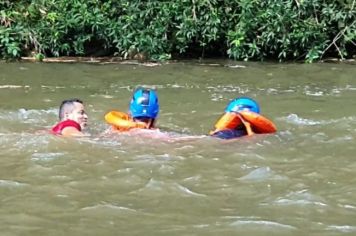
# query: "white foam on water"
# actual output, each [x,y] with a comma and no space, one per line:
[298,202]
[315,94]
[11,183]
[235,66]
[10,86]
[262,174]
[188,191]
[349,207]
[29,116]
[342,228]
[262,224]
[52,87]
[295,119]
[104,207]
[166,187]
[301,198]
[46,156]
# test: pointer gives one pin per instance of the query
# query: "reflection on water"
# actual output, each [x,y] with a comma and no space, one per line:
[300,181]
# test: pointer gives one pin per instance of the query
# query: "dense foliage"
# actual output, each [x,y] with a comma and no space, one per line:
[240,29]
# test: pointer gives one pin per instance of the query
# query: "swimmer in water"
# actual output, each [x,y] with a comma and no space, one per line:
[242,118]
[143,112]
[72,118]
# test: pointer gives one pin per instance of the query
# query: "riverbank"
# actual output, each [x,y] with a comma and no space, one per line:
[91,60]
[158,30]
[120,60]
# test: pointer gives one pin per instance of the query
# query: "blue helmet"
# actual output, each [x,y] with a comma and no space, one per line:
[144,103]
[241,104]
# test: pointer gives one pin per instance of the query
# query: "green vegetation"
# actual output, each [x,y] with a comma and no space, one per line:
[154,29]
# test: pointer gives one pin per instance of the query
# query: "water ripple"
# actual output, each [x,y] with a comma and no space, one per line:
[262,224]
[295,119]
[301,198]
[169,188]
[10,183]
[104,207]
[11,86]
[342,228]
[261,174]
[46,156]
[29,116]
[349,207]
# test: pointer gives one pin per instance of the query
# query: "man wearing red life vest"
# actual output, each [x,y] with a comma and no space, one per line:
[73,118]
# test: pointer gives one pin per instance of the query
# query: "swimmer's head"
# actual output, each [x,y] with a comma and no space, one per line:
[73,109]
[144,104]
[243,104]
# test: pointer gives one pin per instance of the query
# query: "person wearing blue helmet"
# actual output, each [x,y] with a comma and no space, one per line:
[242,118]
[143,111]
[144,106]
[241,104]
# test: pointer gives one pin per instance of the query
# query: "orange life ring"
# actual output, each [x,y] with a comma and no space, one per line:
[121,121]
[259,123]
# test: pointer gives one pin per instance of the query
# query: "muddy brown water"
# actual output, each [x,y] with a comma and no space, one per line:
[299,181]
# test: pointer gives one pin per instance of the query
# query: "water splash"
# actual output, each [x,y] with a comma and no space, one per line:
[262,174]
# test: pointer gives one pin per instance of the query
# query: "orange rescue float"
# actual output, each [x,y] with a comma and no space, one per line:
[121,121]
[232,120]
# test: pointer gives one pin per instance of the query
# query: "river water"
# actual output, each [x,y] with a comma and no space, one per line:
[299,181]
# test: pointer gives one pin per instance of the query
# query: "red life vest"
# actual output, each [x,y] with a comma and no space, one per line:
[57,129]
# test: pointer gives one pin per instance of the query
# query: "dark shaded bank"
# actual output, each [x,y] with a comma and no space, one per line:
[160,30]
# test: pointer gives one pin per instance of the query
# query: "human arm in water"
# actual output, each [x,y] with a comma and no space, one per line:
[247,125]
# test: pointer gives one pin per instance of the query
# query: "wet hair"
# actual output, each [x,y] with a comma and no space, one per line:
[66,106]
